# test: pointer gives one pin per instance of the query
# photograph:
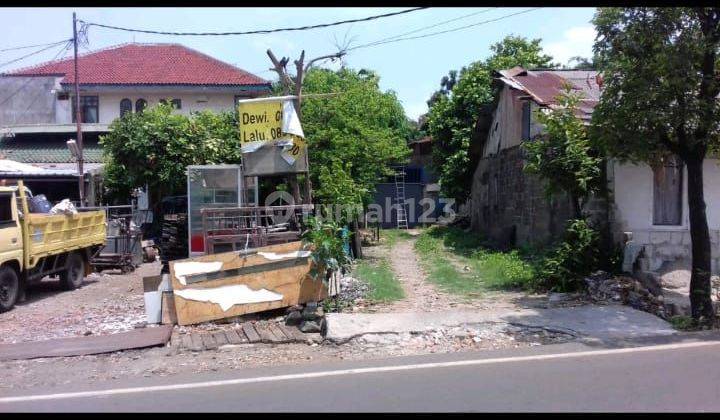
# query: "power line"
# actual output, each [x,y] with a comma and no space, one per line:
[30,79]
[33,46]
[422,29]
[59,54]
[261,31]
[444,32]
[29,55]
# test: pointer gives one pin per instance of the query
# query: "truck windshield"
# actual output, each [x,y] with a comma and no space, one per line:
[6,210]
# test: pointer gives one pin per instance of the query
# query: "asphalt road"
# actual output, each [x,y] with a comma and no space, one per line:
[677,375]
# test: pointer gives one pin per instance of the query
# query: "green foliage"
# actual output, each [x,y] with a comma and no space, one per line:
[326,241]
[487,269]
[661,80]
[455,109]
[353,137]
[384,286]
[562,154]
[684,323]
[155,147]
[339,188]
[565,266]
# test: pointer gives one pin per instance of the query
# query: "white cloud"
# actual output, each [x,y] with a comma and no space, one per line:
[576,41]
[415,109]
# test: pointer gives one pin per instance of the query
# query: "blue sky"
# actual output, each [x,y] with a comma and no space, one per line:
[411,68]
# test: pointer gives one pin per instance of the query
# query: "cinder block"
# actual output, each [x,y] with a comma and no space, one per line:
[657,238]
[676,238]
[641,237]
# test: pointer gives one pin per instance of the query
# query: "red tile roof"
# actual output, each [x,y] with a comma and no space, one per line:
[147,64]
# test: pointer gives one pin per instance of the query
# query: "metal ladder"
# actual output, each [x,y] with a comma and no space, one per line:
[402,222]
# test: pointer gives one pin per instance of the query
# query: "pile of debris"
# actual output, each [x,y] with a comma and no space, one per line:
[310,318]
[605,288]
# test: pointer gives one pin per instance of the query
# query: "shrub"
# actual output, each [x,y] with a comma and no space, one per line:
[564,267]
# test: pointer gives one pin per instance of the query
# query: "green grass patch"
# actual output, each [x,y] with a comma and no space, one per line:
[391,236]
[384,286]
[488,269]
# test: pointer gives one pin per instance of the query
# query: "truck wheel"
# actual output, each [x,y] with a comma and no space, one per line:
[74,273]
[9,288]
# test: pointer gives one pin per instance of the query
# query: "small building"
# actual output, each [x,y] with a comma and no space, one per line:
[419,186]
[37,103]
[648,204]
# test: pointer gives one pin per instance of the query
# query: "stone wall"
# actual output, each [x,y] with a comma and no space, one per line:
[510,207]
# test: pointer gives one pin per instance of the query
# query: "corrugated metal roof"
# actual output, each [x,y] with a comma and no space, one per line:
[46,151]
[11,167]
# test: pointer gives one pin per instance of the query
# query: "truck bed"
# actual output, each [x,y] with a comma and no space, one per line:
[50,234]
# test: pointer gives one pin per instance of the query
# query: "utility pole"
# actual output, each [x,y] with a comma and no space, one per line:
[287,81]
[78,118]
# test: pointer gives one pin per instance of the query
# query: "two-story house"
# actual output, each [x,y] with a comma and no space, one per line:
[37,104]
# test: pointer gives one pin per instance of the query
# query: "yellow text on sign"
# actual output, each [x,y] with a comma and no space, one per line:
[260,121]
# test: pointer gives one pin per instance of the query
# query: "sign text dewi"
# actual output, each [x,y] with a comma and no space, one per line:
[260,121]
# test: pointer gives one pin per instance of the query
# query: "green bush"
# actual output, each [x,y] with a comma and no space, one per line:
[563,268]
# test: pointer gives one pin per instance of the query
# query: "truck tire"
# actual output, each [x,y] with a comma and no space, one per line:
[9,288]
[73,275]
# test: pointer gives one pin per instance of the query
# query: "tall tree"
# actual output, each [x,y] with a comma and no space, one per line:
[462,99]
[353,137]
[661,86]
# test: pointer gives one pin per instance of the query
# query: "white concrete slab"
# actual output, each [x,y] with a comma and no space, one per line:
[590,321]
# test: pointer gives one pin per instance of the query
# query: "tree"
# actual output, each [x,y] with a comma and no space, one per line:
[562,154]
[353,137]
[155,147]
[462,99]
[661,84]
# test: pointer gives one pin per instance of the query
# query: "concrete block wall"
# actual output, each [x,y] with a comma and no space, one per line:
[669,246]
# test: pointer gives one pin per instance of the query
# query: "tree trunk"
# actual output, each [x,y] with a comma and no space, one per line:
[700,288]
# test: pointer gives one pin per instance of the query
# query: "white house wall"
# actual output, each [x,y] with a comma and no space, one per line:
[109,103]
[633,212]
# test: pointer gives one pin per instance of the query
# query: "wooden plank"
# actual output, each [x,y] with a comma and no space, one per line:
[293,282]
[279,333]
[93,344]
[233,337]
[250,332]
[208,341]
[169,315]
[220,338]
[266,336]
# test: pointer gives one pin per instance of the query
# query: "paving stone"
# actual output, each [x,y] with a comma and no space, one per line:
[220,338]
[292,332]
[265,334]
[197,343]
[234,338]
[274,328]
[250,332]
[186,341]
[209,341]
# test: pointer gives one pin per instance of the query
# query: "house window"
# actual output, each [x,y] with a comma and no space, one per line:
[140,105]
[88,109]
[175,103]
[526,121]
[667,192]
[125,107]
